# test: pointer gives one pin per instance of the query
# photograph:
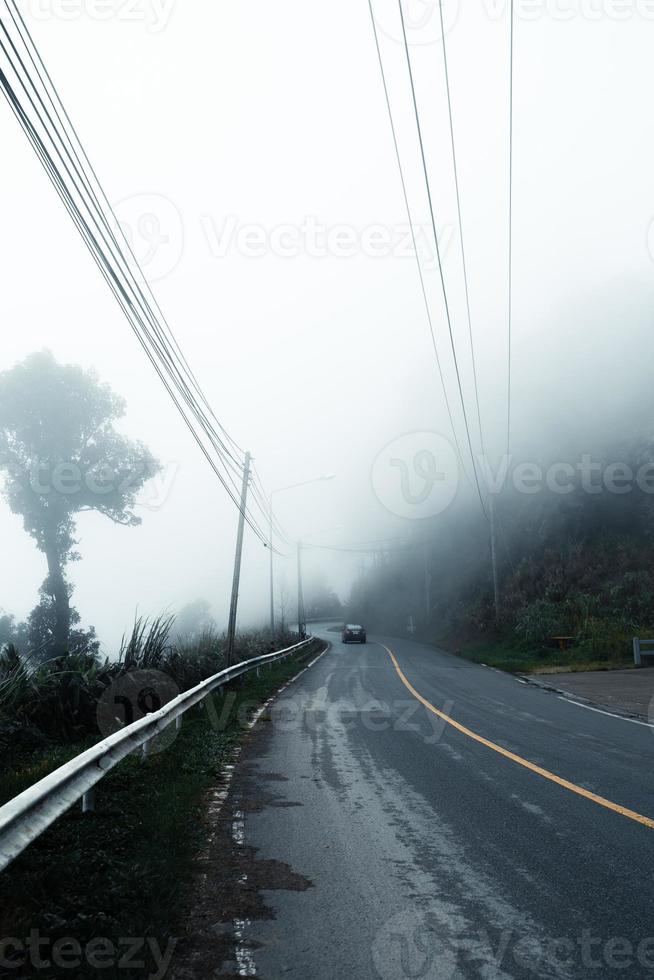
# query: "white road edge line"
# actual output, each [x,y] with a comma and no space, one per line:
[580,704]
[601,711]
[497,670]
[244,956]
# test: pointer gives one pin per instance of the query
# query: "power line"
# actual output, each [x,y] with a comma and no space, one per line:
[438,253]
[115,286]
[87,234]
[108,273]
[68,144]
[107,253]
[413,234]
[76,144]
[510,283]
[102,226]
[365,548]
[460,220]
[263,504]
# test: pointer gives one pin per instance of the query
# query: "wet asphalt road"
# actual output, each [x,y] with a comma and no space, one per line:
[430,854]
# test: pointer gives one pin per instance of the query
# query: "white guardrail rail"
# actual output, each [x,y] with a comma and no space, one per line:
[28,815]
[639,652]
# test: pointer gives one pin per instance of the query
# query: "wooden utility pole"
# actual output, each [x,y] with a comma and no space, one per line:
[231,629]
[427,577]
[272,568]
[496,590]
[301,625]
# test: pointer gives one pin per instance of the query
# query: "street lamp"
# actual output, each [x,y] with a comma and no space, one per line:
[291,486]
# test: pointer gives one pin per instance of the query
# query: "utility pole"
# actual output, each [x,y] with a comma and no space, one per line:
[301,625]
[272,585]
[427,574]
[292,486]
[231,630]
[496,590]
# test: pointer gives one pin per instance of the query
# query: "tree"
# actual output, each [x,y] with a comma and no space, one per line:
[61,456]
[321,602]
[194,620]
[40,630]
[284,605]
[7,628]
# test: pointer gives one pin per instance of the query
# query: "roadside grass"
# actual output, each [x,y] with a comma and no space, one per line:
[55,701]
[121,872]
[517,660]
[23,768]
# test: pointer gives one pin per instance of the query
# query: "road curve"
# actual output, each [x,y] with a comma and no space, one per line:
[436,851]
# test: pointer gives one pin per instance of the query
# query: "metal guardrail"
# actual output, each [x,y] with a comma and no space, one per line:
[28,815]
[639,652]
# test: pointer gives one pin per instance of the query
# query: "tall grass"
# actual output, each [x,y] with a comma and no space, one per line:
[148,644]
[56,701]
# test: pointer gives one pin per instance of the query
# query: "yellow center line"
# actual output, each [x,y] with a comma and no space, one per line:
[545,773]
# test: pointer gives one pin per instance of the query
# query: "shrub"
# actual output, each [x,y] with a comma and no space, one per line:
[540,620]
[57,700]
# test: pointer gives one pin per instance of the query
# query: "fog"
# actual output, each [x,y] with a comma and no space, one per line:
[257,137]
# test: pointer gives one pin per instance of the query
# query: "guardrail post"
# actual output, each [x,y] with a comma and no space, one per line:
[178,722]
[637,651]
[145,749]
[88,801]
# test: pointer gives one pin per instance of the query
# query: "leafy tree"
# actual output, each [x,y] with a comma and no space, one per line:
[40,630]
[62,455]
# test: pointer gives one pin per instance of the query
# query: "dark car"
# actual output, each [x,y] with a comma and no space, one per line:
[354,634]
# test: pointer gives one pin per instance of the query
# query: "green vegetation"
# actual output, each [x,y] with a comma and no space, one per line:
[517,659]
[61,454]
[119,872]
[579,565]
[55,703]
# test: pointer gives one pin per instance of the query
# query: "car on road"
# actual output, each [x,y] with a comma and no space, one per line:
[354,634]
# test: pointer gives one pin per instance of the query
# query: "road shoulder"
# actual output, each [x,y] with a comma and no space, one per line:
[628,693]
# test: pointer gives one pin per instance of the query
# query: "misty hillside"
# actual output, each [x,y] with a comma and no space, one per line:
[578,564]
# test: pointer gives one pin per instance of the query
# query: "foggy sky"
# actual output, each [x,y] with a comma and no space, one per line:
[228,116]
